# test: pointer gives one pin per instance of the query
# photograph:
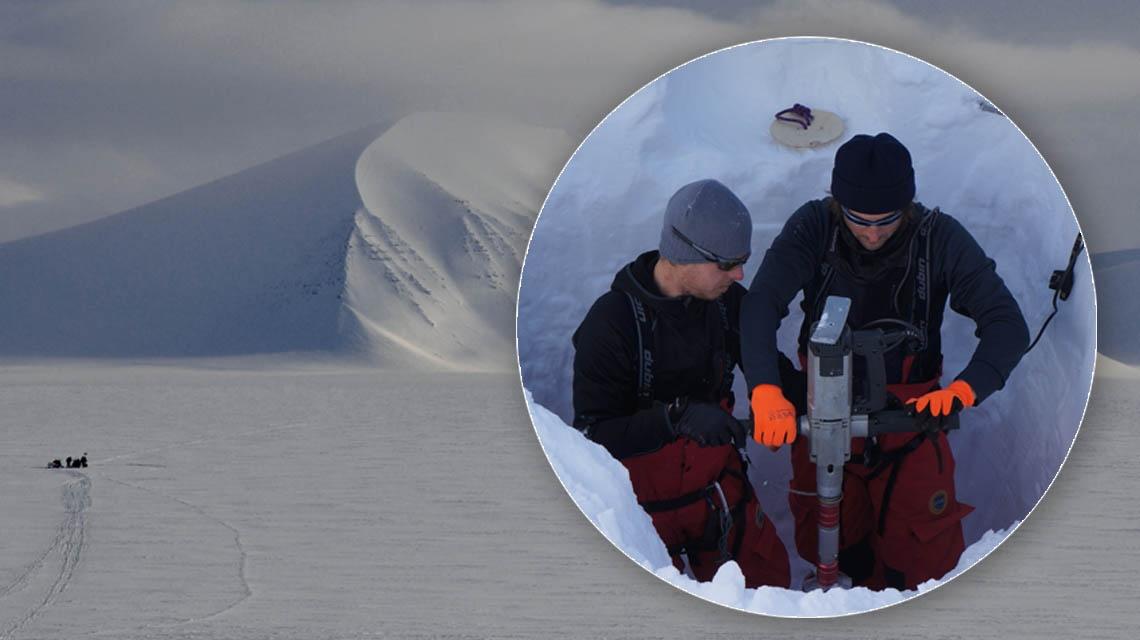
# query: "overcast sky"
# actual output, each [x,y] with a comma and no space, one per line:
[107,107]
[1019,21]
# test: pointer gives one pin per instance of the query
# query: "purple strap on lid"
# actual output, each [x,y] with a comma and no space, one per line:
[798,114]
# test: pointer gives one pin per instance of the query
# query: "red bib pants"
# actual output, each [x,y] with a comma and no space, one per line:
[684,472]
[915,533]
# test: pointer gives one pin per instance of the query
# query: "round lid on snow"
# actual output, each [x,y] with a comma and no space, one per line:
[803,128]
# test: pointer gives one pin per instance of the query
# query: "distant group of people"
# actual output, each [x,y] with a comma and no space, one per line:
[71,463]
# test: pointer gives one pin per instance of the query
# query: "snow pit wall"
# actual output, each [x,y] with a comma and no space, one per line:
[710,118]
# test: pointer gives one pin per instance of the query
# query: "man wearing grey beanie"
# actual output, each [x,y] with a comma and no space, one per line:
[898,262]
[653,369]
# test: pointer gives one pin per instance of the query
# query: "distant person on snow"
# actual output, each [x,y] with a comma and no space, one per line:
[76,463]
[55,464]
[653,370]
[900,521]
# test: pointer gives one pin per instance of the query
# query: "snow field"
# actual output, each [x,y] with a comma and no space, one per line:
[287,501]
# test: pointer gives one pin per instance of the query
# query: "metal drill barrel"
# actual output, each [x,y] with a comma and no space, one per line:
[829,411]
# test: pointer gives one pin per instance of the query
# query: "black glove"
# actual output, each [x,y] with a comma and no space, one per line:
[707,424]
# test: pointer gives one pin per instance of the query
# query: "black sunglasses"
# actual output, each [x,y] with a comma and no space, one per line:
[724,264]
[863,222]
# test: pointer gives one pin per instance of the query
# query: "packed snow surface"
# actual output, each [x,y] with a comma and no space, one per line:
[710,118]
[273,500]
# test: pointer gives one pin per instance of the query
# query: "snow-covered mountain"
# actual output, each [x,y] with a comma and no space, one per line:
[437,246]
[1117,273]
[401,244]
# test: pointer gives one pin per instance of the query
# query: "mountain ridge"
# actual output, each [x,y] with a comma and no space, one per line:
[288,256]
[1116,274]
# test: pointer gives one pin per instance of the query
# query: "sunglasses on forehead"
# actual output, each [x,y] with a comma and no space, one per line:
[863,222]
[724,264]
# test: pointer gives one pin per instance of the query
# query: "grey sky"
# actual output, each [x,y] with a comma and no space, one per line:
[1021,21]
[111,106]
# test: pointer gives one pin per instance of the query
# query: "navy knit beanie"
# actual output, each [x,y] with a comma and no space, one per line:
[873,175]
[709,214]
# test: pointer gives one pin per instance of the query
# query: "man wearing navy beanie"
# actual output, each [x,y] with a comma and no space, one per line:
[653,370]
[873,175]
[896,260]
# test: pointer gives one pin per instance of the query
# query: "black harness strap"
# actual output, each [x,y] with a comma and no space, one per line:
[738,512]
[827,273]
[644,352]
[711,538]
[715,535]
[893,460]
[920,299]
[727,377]
[670,504]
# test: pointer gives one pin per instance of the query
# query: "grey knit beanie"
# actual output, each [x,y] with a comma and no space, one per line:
[710,215]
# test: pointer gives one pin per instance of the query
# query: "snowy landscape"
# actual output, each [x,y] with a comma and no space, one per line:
[970,161]
[296,386]
[289,501]
[374,245]
[249,367]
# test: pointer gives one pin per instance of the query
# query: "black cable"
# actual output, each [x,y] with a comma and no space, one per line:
[1041,331]
[909,331]
[895,321]
[1062,283]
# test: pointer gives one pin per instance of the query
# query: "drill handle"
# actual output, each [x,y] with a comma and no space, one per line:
[870,425]
[897,421]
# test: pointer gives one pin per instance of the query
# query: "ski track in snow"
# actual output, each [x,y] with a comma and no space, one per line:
[71,535]
[69,542]
[241,564]
[242,556]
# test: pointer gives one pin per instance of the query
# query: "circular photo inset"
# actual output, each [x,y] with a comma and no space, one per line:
[805,327]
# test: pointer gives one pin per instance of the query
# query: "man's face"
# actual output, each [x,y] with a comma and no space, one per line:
[871,238]
[706,281]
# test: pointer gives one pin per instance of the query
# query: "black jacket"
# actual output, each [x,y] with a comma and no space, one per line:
[881,285]
[690,345]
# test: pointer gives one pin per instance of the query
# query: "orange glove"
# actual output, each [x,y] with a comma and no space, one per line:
[774,416]
[944,402]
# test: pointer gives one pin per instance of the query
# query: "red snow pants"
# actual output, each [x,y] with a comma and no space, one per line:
[683,469]
[921,535]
